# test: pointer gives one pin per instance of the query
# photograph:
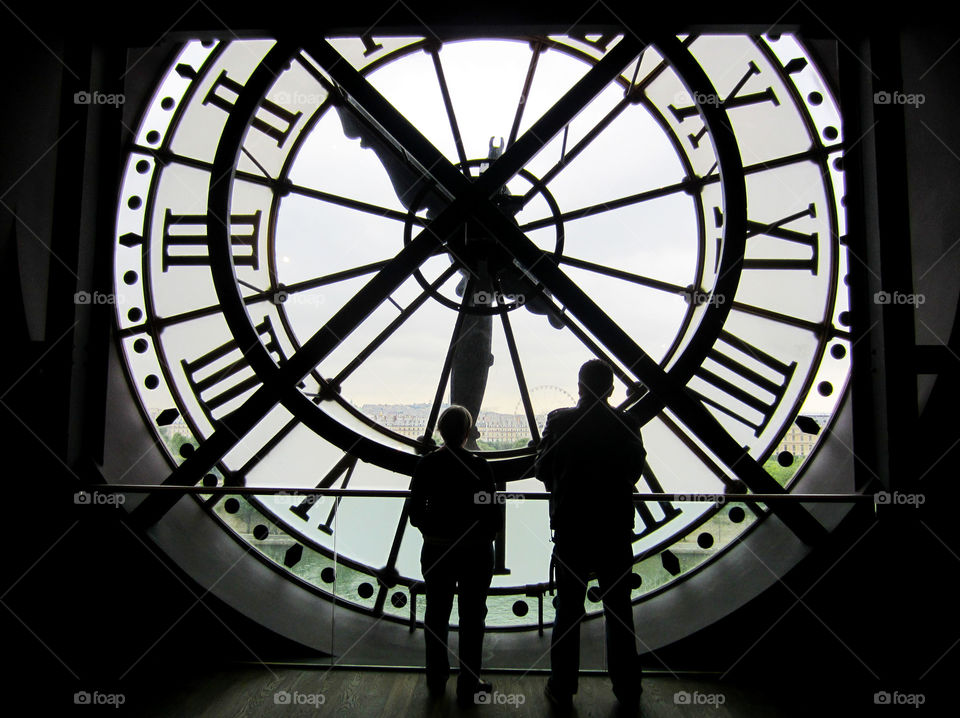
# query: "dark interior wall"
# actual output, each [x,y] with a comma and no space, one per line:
[89,604]
[931,67]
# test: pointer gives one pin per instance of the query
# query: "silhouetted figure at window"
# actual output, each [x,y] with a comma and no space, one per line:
[590,458]
[452,503]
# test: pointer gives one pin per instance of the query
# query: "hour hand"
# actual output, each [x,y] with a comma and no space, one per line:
[411,185]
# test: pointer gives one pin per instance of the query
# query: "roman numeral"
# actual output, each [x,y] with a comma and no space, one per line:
[370,46]
[650,523]
[751,388]
[733,99]
[342,469]
[213,387]
[224,94]
[185,240]
[777,230]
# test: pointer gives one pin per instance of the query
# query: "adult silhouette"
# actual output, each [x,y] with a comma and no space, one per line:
[452,503]
[590,458]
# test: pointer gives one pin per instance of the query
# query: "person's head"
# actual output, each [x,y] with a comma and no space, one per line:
[454,425]
[596,380]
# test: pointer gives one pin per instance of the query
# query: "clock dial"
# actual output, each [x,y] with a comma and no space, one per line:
[325,254]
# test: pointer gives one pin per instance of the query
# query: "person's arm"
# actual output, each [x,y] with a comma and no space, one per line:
[636,453]
[418,497]
[640,457]
[492,517]
[544,464]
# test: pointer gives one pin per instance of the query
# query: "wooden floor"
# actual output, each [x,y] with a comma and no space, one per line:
[264,692]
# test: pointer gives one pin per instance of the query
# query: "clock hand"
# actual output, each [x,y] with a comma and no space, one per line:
[472,358]
[407,182]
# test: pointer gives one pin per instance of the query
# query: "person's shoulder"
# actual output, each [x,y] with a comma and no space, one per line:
[563,414]
[481,466]
[476,459]
[430,459]
[430,456]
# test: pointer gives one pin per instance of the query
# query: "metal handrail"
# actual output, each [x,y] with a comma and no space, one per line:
[697,497]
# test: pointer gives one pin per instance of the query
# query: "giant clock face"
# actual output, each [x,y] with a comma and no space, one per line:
[320,245]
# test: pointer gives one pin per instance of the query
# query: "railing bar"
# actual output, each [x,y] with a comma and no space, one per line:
[506,495]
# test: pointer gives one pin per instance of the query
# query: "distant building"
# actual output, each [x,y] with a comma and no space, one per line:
[411,420]
[798,442]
